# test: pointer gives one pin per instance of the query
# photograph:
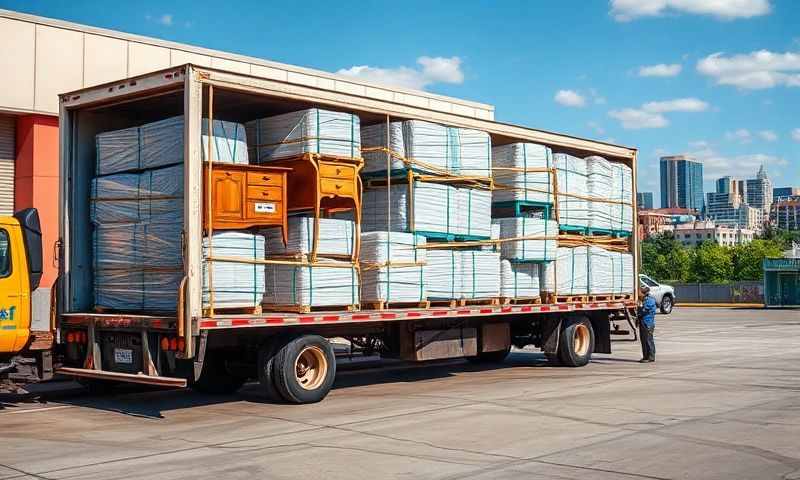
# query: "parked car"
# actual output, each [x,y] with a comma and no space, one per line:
[664,294]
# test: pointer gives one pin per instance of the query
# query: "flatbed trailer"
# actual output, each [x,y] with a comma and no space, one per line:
[289,353]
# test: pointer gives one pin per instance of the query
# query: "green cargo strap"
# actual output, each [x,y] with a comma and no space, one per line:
[352,135]
[525,169]
[474,294]
[310,286]
[294,284]
[572,279]
[352,286]
[547,155]
[447,216]
[452,275]
[469,211]
[546,240]
[318,133]
[421,285]
[516,291]
[309,233]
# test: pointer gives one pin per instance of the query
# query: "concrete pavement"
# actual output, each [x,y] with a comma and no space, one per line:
[722,401]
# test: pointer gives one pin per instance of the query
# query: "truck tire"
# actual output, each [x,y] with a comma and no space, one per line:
[215,377]
[490,357]
[266,368]
[304,369]
[576,343]
[666,304]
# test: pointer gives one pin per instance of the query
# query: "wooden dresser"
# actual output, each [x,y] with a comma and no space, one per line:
[246,196]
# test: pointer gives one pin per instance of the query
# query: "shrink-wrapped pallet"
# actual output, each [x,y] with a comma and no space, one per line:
[137,266]
[324,284]
[573,206]
[610,272]
[336,237]
[515,179]
[622,194]
[154,195]
[392,267]
[480,274]
[568,273]
[600,182]
[433,208]
[306,131]
[519,280]
[536,238]
[443,274]
[233,284]
[374,136]
[160,143]
[430,147]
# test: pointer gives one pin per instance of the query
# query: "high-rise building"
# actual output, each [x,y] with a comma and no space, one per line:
[759,191]
[784,192]
[644,200]
[681,183]
[786,213]
[726,206]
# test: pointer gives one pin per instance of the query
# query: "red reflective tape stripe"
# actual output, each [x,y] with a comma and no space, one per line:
[305,319]
[486,310]
[275,320]
[414,314]
[237,322]
[388,316]
[439,313]
[156,323]
[526,309]
[208,324]
[361,316]
[463,312]
[506,309]
[330,318]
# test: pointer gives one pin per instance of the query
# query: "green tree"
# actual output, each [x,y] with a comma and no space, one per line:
[664,258]
[747,259]
[712,263]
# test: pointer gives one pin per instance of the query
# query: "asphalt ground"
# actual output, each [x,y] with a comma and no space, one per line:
[721,401]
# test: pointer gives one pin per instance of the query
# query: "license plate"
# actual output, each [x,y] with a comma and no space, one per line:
[265,208]
[123,355]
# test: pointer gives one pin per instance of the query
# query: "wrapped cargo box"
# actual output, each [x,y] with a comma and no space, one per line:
[154,195]
[430,148]
[519,280]
[392,267]
[234,284]
[443,274]
[480,274]
[610,272]
[599,183]
[622,194]
[306,131]
[160,143]
[336,237]
[568,273]
[573,206]
[325,284]
[542,245]
[511,165]
[432,208]
[381,247]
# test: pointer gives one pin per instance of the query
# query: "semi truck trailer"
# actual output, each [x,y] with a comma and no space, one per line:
[290,354]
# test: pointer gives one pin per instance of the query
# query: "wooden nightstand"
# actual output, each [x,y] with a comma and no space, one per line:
[245,196]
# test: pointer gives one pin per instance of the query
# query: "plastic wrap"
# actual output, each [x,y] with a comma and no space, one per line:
[375,136]
[568,274]
[512,180]
[531,249]
[151,196]
[312,286]
[306,131]
[443,274]
[609,272]
[398,247]
[622,193]
[519,280]
[160,143]
[401,282]
[335,237]
[234,284]
[573,208]
[436,208]
[599,183]
[480,273]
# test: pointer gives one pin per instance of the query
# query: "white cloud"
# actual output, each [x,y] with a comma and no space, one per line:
[660,70]
[796,134]
[598,129]
[570,98]
[627,10]
[741,135]
[768,135]
[754,71]
[634,119]
[650,114]
[716,165]
[431,70]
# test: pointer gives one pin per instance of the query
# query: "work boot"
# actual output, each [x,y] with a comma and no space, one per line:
[645,360]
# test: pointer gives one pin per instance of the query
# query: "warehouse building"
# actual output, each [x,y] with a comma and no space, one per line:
[41,58]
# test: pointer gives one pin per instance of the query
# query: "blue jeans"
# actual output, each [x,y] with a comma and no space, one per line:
[648,344]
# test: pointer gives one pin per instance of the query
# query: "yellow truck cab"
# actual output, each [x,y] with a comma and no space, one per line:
[24,352]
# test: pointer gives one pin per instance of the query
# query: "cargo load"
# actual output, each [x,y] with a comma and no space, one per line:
[336,238]
[324,284]
[154,195]
[306,131]
[521,173]
[573,206]
[519,280]
[600,183]
[568,273]
[160,143]
[535,238]
[392,267]
[622,195]
[429,208]
[610,272]
[234,284]
[462,274]
[430,148]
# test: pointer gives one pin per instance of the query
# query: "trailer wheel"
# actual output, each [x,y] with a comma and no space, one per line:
[576,342]
[215,377]
[490,357]
[304,369]
[266,368]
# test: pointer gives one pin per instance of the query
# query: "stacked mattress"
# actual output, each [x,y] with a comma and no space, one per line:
[456,274]
[326,283]
[622,194]
[519,280]
[235,284]
[380,280]
[609,272]
[513,180]
[430,148]
[160,143]
[573,207]
[600,182]
[435,208]
[151,195]
[306,131]
[542,247]
[568,273]
[336,237]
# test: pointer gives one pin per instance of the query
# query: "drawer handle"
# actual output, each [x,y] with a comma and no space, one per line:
[265,178]
[228,174]
[338,171]
[338,186]
[266,194]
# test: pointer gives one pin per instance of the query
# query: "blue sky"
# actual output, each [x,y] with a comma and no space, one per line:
[570,66]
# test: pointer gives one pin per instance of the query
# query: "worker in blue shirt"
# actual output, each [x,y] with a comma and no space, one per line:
[647,325]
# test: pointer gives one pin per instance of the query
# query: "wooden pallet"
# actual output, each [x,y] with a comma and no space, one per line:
[310,308]
[601,298]
[463,302]
[519,301]
[250,310]
[572,298]
[384,305]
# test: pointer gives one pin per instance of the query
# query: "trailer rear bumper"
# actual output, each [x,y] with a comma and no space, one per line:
[124,377]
